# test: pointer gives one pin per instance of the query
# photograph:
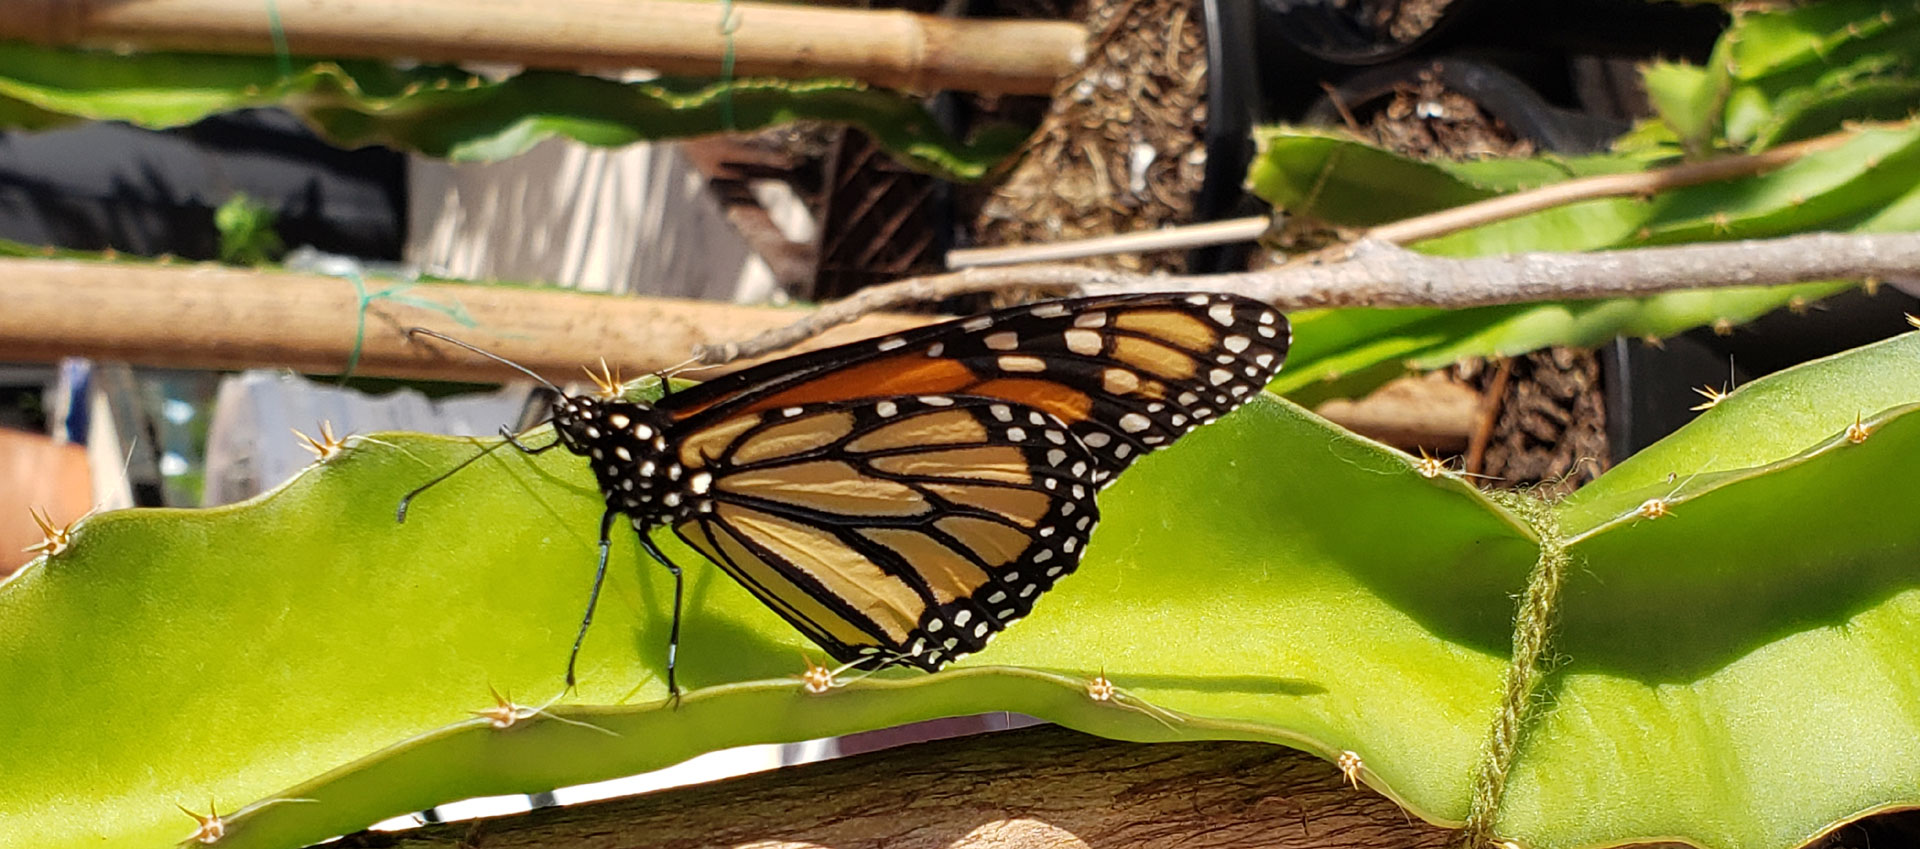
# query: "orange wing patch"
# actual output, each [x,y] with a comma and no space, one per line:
[993,542]
[947,574]
[708,443]
[1179,328]
[773,588]
[1064,402]
[953,427]
[1154,357]
[1000,463]
[795,437]
[827,485]
[1024,507]
[910,375]
[882,598]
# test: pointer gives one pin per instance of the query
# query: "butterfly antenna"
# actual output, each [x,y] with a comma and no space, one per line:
[421,331]
[400,516]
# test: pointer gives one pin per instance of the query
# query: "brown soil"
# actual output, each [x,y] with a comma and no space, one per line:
[1543,419]
[1544,422]
[1120,148]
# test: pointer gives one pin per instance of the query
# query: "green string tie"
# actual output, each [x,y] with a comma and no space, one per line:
[397,294]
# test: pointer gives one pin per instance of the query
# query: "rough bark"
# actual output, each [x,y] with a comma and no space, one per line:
[1036,787]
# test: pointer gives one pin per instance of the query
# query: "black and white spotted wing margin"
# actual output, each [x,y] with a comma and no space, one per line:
[907,530]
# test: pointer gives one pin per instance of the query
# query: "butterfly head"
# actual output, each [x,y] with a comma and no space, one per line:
[574,416]
[584,423]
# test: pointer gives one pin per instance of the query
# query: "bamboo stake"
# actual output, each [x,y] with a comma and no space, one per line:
[886,48]
[224,318]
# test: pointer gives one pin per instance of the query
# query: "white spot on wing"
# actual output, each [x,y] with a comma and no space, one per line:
[890,344]
[1086,343]
[1134,423]
[1222,313]
[1005,340]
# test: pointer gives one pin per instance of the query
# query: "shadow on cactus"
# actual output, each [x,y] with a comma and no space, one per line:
[1736,670]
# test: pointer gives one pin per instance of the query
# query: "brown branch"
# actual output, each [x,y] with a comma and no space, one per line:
[1377,274]
[884,47]
[1503,207]
[1419,228]
[205,316]
[1039,787]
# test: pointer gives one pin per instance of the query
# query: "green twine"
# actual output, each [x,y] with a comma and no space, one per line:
[1532,632]
[729,24]
[395,293]
[279,35]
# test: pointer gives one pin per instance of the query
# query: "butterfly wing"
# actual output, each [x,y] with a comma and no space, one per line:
[906,529]
[1126,373]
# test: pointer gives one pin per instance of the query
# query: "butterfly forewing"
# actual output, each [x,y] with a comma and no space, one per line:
[908,529]
[1127,373]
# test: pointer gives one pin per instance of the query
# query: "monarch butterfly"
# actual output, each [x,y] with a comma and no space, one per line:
[903,500]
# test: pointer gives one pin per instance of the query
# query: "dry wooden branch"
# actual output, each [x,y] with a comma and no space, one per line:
[1377,274]
[1039,787]
[890,48]
[216,317]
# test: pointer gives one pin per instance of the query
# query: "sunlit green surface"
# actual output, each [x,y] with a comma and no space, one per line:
[1739,673]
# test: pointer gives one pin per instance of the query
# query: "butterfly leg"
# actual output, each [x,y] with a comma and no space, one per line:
[673,633]
[514,440]
[593,598]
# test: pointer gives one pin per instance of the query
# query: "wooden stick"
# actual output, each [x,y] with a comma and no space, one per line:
[1037,788]
[1420,227]
[1166,238]
[224,318]
[1377,274]
[888,48]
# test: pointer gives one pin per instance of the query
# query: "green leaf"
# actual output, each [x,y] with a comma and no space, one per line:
[246,231]
[1684,96]
[1270,577]
[446,112]
[1868,183]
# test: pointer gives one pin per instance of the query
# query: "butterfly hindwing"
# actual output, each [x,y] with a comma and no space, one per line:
[907,529]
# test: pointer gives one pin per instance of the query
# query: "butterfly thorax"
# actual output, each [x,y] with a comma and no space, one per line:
[639,473]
